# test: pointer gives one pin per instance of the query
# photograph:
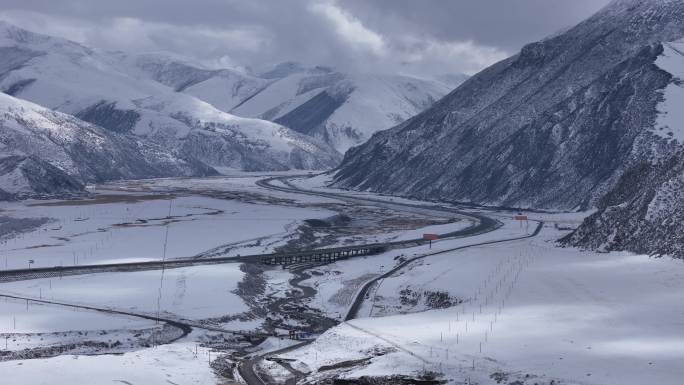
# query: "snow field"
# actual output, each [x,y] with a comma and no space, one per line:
[195,292]
[18,317]
[175,363]
[136,230]
[581,317]
[670,122]
[338,282]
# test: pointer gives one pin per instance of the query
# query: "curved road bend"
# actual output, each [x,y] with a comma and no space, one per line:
[361,294]
[246,368]
[483,225]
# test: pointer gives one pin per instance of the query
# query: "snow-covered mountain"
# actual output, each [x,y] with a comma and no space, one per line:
[47,152]
[223,88]
[142,100]
[561,125]
[341,109]
[645,210]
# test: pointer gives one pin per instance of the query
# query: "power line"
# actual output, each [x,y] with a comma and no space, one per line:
[161,279]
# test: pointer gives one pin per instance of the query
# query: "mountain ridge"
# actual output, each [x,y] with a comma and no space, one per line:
[508,105]
[341,109]
[105,89]
[47,152]
[557,126]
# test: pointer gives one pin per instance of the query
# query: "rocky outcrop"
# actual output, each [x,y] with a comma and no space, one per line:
[643,213]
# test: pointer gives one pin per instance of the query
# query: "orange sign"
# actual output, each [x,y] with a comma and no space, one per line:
[521,217]
[430,237]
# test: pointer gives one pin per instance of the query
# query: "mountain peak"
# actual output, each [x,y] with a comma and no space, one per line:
[472,145]
[645,12]
[13,35]
[11,32]
[283,69]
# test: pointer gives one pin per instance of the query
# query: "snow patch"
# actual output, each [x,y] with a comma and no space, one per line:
[670,121]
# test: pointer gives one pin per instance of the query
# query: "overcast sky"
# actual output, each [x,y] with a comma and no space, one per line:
[422,37]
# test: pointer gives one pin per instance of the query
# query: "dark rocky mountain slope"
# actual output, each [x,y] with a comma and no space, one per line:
[571,122]
[552,127]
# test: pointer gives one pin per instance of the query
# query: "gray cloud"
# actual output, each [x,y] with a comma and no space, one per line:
[419,37]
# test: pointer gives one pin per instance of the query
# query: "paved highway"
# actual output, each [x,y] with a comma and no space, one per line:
[483,225]
[246,367]
[358,301]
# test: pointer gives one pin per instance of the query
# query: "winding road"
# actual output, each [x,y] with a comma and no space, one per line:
[483,225]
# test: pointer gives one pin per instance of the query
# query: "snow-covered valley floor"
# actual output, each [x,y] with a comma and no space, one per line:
[532,312]
[123,226]
[539,313]
[152,220]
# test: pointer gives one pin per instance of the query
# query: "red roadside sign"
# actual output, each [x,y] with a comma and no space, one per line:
[430,237]
[521,217]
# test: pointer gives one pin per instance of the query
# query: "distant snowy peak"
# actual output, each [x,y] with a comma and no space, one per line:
[11,34]
[176,74]
[47,152]
[451,80]
[282,70]
[285,69]
[137,95]
[340,109]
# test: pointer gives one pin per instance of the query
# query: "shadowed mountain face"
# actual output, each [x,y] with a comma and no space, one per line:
[552,127]
[30,176]
[566,122]
[643,213]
